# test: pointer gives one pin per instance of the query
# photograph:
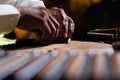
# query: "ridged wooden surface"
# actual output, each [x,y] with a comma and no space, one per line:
[76,45]
[75,60]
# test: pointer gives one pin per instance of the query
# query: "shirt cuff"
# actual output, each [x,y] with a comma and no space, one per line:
[37,3]
[9,17]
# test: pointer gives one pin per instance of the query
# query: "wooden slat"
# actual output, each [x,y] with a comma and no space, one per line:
[75,67]
[100,70]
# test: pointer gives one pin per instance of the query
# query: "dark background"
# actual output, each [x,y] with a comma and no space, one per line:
[104,14]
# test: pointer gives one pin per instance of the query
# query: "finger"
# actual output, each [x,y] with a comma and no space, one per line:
[54,11]
[54,8]
[46,32]
[56,24]
[65,30]
[62,16]
[53,29]
[52,26]
[40,36]
[71,27]
[47,27]
[64,22]
[70,31]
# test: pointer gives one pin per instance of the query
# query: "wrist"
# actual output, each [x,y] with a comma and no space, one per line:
[21,10]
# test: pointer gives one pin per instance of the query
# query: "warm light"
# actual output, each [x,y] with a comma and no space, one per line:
[114,0]
[81,4]
[96,1]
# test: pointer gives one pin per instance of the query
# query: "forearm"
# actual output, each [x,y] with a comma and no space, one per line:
[22,10]
[27,16]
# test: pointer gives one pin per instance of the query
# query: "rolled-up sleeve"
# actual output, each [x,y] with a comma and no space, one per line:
[9,16]
[30,3]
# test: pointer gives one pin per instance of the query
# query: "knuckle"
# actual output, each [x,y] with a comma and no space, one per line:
[54,8]
[61,9]
[43,9]
[44,12]
[43,15]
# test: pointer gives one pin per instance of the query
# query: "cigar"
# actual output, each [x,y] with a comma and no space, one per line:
[109,30]
[101,35]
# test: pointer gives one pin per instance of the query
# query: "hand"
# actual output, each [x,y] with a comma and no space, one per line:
[40,21]
[66,23]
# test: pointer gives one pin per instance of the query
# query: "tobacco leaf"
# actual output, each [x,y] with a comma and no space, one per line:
[5,41]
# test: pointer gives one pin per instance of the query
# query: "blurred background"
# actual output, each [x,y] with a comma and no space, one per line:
[89,14]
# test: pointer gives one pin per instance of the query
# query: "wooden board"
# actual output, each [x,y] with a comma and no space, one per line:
[76,45]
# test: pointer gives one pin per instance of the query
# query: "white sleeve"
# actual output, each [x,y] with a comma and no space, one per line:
[9,16]
[30,3]
[23,2]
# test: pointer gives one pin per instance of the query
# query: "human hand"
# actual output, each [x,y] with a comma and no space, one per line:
[66,23]
[40,21]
